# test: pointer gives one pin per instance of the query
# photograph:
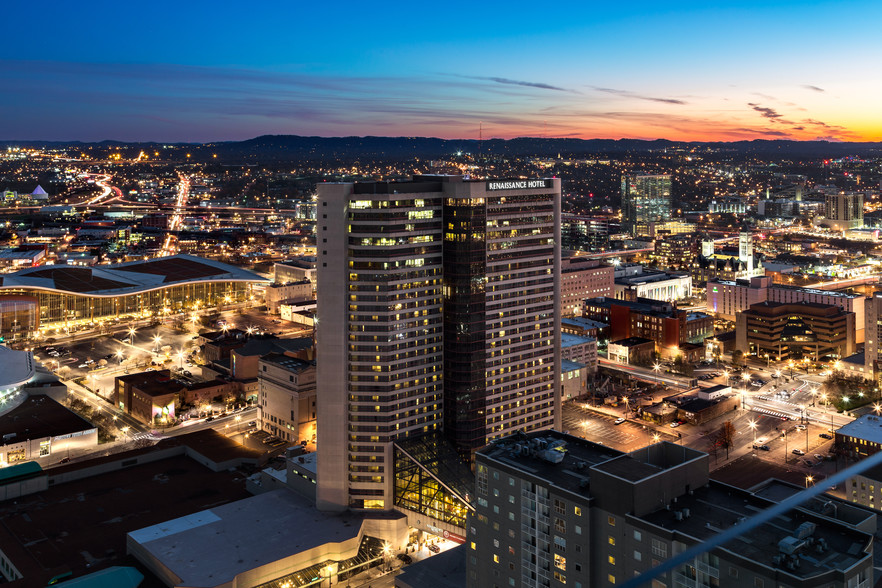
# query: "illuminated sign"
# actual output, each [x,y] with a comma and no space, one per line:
[519,184]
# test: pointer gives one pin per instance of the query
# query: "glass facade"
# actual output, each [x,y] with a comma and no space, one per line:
[432,480]
[57,309]
[645,200]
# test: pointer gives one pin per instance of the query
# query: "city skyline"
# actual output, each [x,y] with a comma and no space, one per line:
[199,73]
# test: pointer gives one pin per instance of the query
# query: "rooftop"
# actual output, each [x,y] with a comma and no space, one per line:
[716,507]
[39,416]
[867,427]
[127,278]
[80,526]
[16,367]
[286,361]
[568,340]
[266,345]
[233,538]
[567,365]
[524,452]
[154,383]
[585,323]
[632,341]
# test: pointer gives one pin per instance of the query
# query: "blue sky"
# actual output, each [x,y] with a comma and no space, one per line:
[198,71]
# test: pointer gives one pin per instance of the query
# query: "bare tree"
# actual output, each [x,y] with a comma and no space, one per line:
[726,437]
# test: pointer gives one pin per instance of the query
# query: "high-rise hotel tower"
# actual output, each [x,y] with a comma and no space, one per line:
[438,310]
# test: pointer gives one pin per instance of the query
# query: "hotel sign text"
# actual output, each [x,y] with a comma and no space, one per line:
[519,184]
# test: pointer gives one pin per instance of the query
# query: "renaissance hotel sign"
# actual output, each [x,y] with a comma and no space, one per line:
[519,184]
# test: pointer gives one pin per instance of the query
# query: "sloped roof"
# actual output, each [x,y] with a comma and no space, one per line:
[39,191]
[127,278]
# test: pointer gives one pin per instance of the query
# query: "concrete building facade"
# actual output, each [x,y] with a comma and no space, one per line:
[581,278]
[286,397]
[393,366]
[556,510]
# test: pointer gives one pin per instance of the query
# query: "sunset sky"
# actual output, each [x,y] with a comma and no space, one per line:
[206,71]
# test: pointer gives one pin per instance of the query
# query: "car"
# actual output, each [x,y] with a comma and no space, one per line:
[798,452]
[825,436]
[187,373]
[252,424]
[434,548]
[819,457]
[809,463]
[800,427]
[90,361]
[619,421]
[83,366]
[405,558]
[674,425]
[209,419]
[64,460]
[763,447]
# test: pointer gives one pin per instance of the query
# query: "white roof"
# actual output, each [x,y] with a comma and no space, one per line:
[16,367]
[867,427]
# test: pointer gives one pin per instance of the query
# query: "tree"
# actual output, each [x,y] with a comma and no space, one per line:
[726,436]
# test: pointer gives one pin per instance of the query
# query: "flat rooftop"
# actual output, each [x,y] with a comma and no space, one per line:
[867,427]
[39,416]
[81,526]
[572,473]
[153,383]
[230,539]
[717,507]
[568,340]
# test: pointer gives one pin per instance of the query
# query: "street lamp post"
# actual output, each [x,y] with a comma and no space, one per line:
[744,378]
[752,425]
[125,431]
[809,480]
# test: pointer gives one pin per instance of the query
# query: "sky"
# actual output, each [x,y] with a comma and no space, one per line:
[216,71]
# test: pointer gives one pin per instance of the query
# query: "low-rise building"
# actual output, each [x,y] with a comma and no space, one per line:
[777,331]
[580,349]
[860,438]
[633,281]
[150,396]
[277,294]
[286,400]
[631,350]
[39,428]
[574,379]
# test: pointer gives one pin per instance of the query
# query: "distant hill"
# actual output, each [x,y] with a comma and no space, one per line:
[278,147]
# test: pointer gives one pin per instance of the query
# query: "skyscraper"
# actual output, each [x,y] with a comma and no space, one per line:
[646,200]
[437,309]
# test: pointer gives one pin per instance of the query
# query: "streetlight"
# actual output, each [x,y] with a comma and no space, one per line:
[655,437]
[656,368]
[752,425]
[131,335]
[180,355]
[120,355]
[156,341]
[125,431]
[744,378]
[809,480]
[387,553]
[238,421]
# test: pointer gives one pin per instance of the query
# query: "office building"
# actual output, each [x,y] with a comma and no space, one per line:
[726,298]
[286,397]
[675,332]
[394,367]
[676,252]
[646,201]
[557,510]
[587,233]
[776,331]
[581,278]
[727,264]
[844,211]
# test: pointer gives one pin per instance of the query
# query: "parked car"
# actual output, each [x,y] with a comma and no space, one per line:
[800,427]
[64,460]
[809,463]
[674,425]
[434,548]
[819,457]
[405,558]
[798,452]
[825,436]
[763,447]
[619,421]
